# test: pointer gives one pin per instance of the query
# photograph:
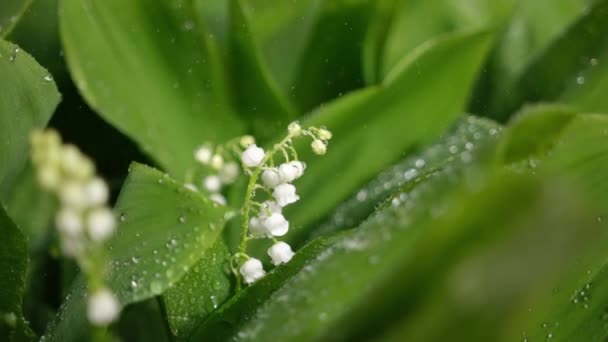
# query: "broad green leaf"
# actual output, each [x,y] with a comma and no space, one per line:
[10,13]
[533,132]
[27,100]
[559,63]
[374,127]
[13,267]
[31,207]
[164,230]
[331,63]
[468,138]
[414,22]
[257,96]
[484,286]
[312,48]
[375,40]
[152,71]
[357,285]
[205,287]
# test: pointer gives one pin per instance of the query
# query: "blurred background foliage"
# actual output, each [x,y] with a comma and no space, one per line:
[464,196]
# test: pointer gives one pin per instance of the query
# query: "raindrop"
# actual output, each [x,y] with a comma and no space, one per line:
[48,78]
[420,163]
[135,260]
[182,219]
[123,217]
[156,287]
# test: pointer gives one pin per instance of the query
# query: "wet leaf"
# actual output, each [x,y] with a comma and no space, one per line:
[164,230]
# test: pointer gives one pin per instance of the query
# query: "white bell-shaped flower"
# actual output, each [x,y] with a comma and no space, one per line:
[252,270]
[270,178]
[101,224]
[69,222]
[276,224]
[324,134]
[294,129]
[73,194]
[203,154]
[280,253]
[97,192]
[212,183]
[285,194]
[288,172]
[253,156]
[103,307]
[257,227]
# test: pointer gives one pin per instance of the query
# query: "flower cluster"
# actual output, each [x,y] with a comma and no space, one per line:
[264,219]
[218,170]
[84,221]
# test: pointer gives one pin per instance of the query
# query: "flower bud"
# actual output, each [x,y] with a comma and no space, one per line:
[203,154]
[294,128]
[318,147]
[212,183]
[101,224]
[246,140]
[253,156]
[218,198]
[324,134]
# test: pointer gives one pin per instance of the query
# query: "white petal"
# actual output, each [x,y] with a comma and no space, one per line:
[270,178]
[212,183]
[101,224]
[103,307]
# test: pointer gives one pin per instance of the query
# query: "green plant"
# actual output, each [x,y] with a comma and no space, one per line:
[462,196]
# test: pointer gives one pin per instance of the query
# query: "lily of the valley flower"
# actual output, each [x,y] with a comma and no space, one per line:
[280,253]
[253,156]
[103,307]
[285,194]
[252,270]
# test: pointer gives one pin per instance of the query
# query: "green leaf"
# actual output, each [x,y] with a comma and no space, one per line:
[143,321]
[464,142]
[257,96]
[205,287]
[31,207]
[164,230]
[13,267]
[533,132]
[28,99]
[151,70]
[299,43]
[10,13]
[375,40]
[374,127]
[330,66]
[415,22]
[369,276]
[561,65]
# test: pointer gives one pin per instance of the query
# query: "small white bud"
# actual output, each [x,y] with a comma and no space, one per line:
[318,147]
[73,194]
[69,222]
[101,224]
[294,129]
[285,194]
[253,156]
[218,198]
[252,270]
[49,177]
[229,172]
[97,192]
[280,253]
[270,178]
[276,224]
[203,154]
[217,161]
[324,134]
[246,140]
[75,164]
[212,183]
[103,307]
